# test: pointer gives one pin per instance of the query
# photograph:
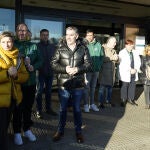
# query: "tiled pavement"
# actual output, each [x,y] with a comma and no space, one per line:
[109,129]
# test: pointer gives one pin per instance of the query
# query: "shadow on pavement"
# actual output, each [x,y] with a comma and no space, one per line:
[97,130]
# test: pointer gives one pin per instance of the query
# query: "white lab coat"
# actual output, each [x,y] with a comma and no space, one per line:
[125,65]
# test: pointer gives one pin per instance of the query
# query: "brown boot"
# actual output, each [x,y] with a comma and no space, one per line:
[57,136]
[79,137]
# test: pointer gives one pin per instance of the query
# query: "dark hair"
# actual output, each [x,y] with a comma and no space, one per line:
[129,42]
[89,30]
[44,30]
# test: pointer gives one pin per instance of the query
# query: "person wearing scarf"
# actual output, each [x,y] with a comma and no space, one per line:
[12,74]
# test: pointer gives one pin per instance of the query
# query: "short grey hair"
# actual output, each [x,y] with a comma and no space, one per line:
[72,28]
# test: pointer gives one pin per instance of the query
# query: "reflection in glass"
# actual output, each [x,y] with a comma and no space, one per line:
[55,28]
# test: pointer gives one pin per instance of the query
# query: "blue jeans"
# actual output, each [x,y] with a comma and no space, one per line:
[90,81]
[64,96]
[44,83]
[105,93]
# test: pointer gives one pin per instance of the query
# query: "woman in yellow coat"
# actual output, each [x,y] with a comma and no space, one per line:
[12,74]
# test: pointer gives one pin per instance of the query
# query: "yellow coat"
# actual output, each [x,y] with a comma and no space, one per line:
[6,84]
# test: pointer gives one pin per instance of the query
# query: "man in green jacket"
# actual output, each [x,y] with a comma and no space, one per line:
[96,53]
[32,59]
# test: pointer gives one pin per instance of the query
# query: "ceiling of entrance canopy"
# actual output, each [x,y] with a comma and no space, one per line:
[124,8]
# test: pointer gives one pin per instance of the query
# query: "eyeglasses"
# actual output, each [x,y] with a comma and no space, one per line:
[22,30]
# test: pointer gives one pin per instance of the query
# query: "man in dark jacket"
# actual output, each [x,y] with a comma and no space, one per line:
[45,74]
[71,60]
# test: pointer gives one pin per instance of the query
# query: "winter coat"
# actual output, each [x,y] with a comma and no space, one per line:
[96,54]
[125,65]
[79,58]
[107,73]
[27,48]
[47,51]
[145,61]
[9,87]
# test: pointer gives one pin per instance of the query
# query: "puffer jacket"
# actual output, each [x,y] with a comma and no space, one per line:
[145,62]
[6,85]
[79,58]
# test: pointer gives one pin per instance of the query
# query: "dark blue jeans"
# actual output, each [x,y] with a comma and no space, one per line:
[64,96]
[105,93]
[44,83]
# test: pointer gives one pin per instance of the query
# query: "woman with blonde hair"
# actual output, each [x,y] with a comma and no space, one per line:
[145,68]
[12,74]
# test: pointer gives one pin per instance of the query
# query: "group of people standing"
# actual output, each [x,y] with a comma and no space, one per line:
[78,70]
[78,64]
[19,60]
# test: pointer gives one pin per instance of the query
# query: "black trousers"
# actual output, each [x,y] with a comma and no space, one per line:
[5,115]
[22,112]
[128,90]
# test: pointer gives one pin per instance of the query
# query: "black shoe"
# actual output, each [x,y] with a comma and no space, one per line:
[101,106]
[132,102]
[79,137]
[123,104]
[57,136]
[38,115]
[109,104]
[51,112]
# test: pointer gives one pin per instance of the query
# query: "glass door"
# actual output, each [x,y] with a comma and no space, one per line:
[55,29]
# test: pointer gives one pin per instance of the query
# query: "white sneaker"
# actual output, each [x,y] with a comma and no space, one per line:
[18,139]
[28,134]
[94,107]
[86,108]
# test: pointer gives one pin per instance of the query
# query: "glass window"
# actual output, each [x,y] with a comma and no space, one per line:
[55,29]
[7,20]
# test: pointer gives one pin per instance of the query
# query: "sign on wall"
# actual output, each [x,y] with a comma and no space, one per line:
[140,44]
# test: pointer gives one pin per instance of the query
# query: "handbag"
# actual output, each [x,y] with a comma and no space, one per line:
[141,76]
[148,72]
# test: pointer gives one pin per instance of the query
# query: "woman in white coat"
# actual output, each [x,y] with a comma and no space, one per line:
[128,71]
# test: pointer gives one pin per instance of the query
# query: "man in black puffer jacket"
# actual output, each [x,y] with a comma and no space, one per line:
[71,60]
